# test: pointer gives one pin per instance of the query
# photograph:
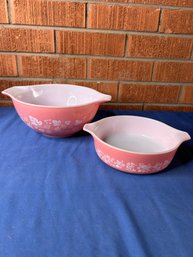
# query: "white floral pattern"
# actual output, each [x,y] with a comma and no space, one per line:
[35,121]
[47,126]
[132,167]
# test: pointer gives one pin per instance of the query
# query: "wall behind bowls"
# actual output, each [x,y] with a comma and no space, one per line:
[139,51]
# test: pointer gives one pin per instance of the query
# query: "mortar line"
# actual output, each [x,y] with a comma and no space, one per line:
[191,53]
[159,20]
[152,72]
[169,104]
[23,78]
[86,16]
[131,4]
[180,94]
[87,69]
[18,66]
[9,11]
[55,41]
[163,83]
[115,103]
[8,103]
[126,45]
[123,103]
[120,58]
[118,90]
[4,100]
[99,30]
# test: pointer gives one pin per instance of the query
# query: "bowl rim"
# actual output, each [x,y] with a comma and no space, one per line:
[106,97]
[135,152]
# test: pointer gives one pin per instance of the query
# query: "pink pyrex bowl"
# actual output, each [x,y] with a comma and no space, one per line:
[135,144]
[56,110]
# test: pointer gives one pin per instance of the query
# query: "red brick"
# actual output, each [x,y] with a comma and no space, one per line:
[48,12]
[109,88]
[26,40]
[177,21]
[113,69]
[159,46]
[6,83]
[187,95]
[90,43]
[8,65]
[173,71]
[3,12]
[52,67]
[136,93]
[123,17]
[174,108]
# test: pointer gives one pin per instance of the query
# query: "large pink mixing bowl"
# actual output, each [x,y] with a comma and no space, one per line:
[56,110]
[135,144]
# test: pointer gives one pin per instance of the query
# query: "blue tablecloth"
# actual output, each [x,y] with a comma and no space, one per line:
[58,199]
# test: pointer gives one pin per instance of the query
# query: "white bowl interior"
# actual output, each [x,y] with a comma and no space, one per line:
[137,134]
[55,95]
[134,142]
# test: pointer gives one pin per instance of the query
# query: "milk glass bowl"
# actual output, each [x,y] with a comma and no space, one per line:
[135,144]
[56,110]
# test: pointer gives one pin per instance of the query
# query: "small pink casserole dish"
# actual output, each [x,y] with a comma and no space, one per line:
[56,110]
[135,144]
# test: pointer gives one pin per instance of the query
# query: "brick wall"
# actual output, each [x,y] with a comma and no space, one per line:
[139,51]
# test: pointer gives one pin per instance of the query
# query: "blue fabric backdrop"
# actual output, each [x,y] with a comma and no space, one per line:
[58,199]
